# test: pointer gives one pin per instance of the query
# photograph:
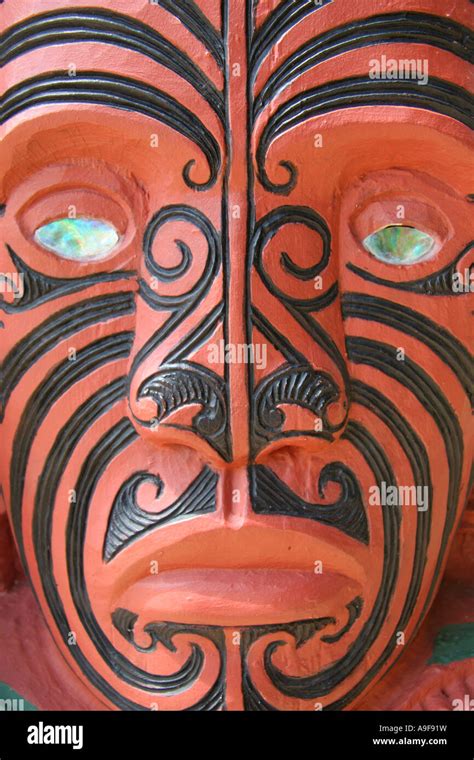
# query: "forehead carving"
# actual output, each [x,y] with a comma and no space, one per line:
[227,400]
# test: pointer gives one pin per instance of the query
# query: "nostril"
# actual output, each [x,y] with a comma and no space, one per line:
[336,414]
[144,410]
[183,402]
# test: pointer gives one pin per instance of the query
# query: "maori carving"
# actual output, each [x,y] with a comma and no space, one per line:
[176,386]
[292,385]
[128,521]
[271,496]
[385,28]
[127,445]
[111,28]
[439,283]
[118,92]
[38,288]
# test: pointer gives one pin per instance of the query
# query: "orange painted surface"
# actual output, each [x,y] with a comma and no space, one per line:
[197,524]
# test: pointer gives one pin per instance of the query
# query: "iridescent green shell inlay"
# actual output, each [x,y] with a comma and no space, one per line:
[81,239]
[399,244]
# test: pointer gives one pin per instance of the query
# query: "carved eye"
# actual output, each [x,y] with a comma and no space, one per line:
[399,244]
[82,239]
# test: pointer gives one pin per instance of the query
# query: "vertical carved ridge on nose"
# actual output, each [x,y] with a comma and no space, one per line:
[237,194]
[233,496]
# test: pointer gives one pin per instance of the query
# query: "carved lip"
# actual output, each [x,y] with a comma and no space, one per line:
[240,596]
[261,543]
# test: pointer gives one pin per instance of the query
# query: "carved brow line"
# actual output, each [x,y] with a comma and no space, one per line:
[437,95]
[122,93]
[111,28]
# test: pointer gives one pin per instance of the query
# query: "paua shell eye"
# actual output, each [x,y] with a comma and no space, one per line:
[82,239]
[399,244]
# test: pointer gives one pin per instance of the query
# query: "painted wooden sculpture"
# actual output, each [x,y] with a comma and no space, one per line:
[235,251]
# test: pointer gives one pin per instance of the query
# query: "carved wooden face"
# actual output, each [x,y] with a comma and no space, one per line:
[235,311]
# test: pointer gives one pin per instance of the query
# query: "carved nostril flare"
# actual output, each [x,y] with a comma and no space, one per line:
[187,397]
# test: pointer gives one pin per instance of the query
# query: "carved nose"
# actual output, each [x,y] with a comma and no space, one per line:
[186,403]
[236,370]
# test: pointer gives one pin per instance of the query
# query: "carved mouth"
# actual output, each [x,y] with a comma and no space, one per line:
[240,596]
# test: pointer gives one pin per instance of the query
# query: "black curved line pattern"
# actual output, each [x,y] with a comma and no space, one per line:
[111,28]
[323,339]
[449,349]
[313,686]
[438,283]
[271,496]
[183,304]
[387,28]
[61,452]
[180,213]
[380,355]
[282,19]
[191,16]
[176,386]
[110,445]
[301,631]
[417,455]
[128,521]
[263,231]
[299,385]
[320,684]
[411,376]
[39,288]
[122,93]
[354,609]
[419,461]
[163,633]
[277,340]
[438,95]
[267,227]
[61,325]
[57,382]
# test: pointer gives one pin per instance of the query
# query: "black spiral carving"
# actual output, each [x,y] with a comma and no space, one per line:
[117,92]
[162,633]
[179,213]
[184,303]
[438,95]
[174,387]
[300,385]
[129,522]
[267,227]
[270,496]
